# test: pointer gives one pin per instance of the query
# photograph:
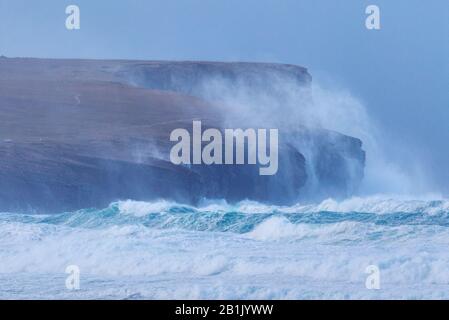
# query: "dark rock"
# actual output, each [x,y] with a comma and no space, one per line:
[84,133]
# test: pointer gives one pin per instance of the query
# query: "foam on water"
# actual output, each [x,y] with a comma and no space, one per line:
[218,250]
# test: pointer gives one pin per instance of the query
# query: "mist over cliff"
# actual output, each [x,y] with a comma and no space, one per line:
[85,133]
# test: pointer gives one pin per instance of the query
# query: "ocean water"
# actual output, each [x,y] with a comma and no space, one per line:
[164,250]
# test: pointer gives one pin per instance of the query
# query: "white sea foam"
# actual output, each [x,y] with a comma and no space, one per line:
[275,258]
[379,204]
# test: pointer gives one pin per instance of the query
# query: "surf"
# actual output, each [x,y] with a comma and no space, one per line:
[224,250]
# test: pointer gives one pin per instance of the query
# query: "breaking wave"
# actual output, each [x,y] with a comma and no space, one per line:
[218,250]
[245,216]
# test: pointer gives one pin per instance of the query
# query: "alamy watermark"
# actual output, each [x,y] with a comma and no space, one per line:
[73,21]
[237,143]
[72,282]
[372,21]
[372,282]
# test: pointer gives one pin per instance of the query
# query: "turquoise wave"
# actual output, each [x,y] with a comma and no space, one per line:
[241,218]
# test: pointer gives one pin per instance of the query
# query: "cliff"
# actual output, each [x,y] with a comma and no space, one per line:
[84,133]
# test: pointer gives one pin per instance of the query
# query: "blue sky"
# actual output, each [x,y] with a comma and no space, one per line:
[401,72]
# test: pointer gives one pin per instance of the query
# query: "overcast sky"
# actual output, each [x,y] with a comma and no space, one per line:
[401,72]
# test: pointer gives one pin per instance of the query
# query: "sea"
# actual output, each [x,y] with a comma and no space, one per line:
[375,247]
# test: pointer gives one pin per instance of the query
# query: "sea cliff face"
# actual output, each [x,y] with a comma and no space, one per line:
[84,133]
